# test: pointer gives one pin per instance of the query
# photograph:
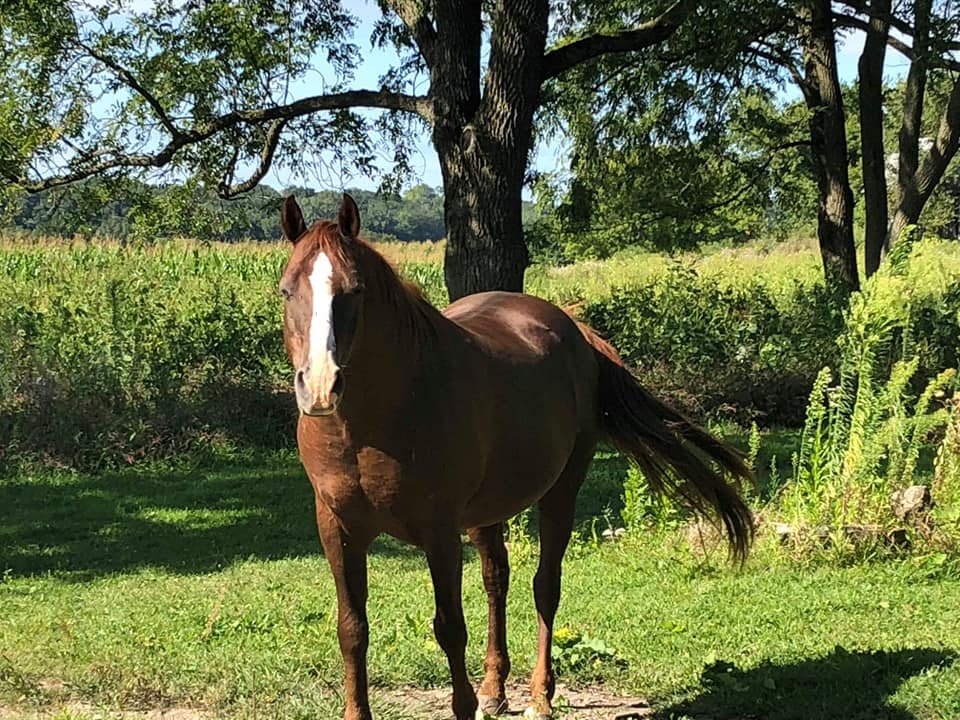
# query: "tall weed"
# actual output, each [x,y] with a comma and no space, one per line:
[865,429]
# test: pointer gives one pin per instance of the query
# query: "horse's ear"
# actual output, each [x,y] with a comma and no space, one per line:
[291,220]
[349,217]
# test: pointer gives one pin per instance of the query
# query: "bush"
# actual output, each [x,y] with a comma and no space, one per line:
[108,354]
[735,351]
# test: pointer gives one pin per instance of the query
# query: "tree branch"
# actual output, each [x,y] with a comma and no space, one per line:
[413,15]
[902,26]
[944,148]
[307,106]
[757,172]
[943,61]
[228,190]
[131,80]
[559,60]
[913,96]
[785,61]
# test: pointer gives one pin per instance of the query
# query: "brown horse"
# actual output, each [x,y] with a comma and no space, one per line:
[422,425]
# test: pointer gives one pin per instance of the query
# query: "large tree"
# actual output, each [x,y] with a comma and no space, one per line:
[681,104]
[223,90]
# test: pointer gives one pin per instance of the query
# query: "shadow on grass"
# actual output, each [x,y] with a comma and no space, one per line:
[184,521]
[841,686]
[196,520]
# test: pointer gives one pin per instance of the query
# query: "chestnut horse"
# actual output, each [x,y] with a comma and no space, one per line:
[423,425]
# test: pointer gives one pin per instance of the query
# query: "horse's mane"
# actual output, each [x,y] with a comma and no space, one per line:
[416,316]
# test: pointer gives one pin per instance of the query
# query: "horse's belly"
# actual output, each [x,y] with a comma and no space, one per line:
[520,472]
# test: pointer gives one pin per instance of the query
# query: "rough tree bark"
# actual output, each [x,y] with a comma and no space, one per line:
[483,144]
[871,134]
[917,174]
[916,181]
[908,202]
[930,172]
[821,90]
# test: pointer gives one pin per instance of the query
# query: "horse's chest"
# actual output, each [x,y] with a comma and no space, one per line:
[364,482]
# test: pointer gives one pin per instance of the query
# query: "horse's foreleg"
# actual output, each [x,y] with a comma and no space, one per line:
[496,580]
[347,555]
[446,568]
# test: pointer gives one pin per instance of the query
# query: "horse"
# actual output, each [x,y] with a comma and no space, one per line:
[423,424]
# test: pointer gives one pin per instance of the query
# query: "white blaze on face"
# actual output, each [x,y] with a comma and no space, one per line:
[321,363]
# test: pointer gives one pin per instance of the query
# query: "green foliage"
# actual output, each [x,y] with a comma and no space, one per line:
[744,345]
[111,354]
[747,181]
[863,437]
[587,658]
[85,84]
[641,508]
[946,477]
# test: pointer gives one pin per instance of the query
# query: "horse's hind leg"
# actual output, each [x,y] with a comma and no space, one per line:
[556,524]
[445,558]
[496,579]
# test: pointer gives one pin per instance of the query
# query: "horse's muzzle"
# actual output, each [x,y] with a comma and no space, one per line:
[321,397]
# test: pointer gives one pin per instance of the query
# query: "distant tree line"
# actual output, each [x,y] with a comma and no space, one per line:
[135,211]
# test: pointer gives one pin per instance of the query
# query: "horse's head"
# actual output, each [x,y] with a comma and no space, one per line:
[322,291]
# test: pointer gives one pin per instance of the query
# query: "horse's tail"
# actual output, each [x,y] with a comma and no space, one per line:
[661,440]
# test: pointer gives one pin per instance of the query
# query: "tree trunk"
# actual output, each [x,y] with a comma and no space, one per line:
[483,148]
[935,164]
[828,141]
[482,202]
[909,203]
[871,135]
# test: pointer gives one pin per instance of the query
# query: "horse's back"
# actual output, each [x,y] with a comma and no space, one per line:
[514,323]
[539,392]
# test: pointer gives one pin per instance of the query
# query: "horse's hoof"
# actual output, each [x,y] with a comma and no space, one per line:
[491,706]
[531,713]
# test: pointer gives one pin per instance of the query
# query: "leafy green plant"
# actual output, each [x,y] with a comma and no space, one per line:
[863,437]
[641,507]
[519,539]
[576,654]
[946,477]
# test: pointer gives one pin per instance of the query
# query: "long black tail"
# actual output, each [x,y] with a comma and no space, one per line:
[661,440]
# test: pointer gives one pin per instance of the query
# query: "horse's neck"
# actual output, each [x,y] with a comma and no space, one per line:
[397,342]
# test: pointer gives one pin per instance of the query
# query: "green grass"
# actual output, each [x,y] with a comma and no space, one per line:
[204,587]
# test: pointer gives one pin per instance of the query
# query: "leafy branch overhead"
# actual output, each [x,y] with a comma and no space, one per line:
[144,87]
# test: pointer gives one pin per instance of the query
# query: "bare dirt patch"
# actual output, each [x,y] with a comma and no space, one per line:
[584,703]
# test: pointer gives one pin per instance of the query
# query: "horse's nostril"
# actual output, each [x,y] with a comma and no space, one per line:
[338,385]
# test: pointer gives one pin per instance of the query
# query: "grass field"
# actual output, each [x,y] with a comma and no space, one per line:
[203,587]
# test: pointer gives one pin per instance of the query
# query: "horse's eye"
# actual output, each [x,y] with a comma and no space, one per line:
[285,291]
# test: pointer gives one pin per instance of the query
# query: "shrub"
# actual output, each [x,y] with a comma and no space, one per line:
[737,351]
[110,354]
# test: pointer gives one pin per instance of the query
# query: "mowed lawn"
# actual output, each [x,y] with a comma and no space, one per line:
[204,588]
